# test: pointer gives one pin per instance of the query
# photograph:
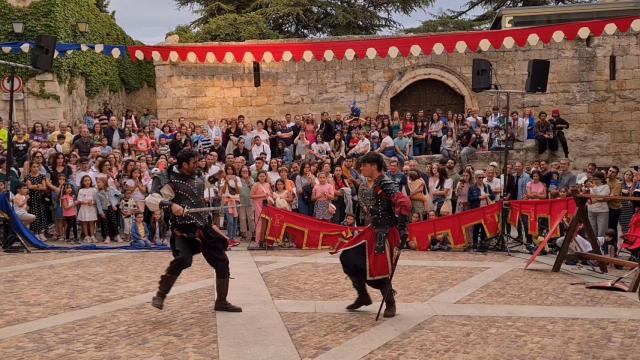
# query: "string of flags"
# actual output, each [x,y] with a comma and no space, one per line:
[64,49]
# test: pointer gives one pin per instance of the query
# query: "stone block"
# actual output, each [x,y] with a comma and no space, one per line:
[242,101]
[286,79]
[289,99]
[230,93]
[299,90]
[259,101]
[248,91]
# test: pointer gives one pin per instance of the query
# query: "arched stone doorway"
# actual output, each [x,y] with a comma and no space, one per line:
[441,73]
[428,95]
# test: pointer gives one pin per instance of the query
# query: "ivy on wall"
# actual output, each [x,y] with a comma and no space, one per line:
[59,18]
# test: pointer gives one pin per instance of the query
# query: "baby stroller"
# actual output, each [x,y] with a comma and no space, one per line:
[631,240]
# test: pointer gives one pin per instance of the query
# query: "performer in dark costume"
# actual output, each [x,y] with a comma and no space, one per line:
[192,233]
[368,257]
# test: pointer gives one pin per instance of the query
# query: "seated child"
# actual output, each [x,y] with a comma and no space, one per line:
[140,233]
[20,204]
[158,230]
[439,242]
[128,207]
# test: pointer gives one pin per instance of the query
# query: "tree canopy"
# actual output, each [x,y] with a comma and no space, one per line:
[227,20]
[478,14]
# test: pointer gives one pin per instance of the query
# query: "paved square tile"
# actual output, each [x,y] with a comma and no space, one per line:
[287,252]
[314,334]
[312,281]
[7,260]
[54,289]
[453,256]
[185,329]
[543,287]
[470,338]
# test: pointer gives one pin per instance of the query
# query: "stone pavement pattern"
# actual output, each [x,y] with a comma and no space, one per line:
[94,305]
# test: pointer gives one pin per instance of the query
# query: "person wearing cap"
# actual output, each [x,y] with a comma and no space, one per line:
[480,194]
[598,209]
[558,125]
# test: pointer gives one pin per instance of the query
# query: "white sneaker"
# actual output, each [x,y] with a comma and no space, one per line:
[93,239]
[86,239]
[107,240]
[42,237]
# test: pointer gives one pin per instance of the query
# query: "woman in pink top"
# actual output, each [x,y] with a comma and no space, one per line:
[310,131]
[261,195]
[322,194]
[536,189]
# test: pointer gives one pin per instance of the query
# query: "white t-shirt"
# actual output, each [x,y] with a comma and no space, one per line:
[600,206]
[495,185]
[264,135]
[387,142]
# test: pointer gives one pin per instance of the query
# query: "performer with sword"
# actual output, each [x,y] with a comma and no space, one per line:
[371,256]
[191,231]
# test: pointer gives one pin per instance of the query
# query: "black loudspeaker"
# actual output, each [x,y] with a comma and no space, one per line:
[538,76]
[42,52]
[481,75]
[256,74]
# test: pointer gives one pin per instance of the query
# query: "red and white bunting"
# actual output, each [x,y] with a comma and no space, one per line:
[392,46]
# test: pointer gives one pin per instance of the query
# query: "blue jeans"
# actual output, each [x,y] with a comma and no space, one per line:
[305,208]
[419,148]
[141,244]
[232,225]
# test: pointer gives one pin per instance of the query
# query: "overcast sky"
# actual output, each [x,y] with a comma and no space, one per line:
[149,20]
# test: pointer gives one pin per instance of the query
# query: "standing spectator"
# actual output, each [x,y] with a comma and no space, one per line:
[417,194]
[89,119]
[261,195]
[462,190]
[435,133]
[88,212]
[567,179]
[479,195]
[282,198]
[559,125]
[128,208]
[544,133]
[106,203]
[38,135]
[70,212]
[536,189]
[38,186]
[145,119]
[442,192]
[84,144]
[305,181]
[320,149]
[322,195]
[449,146]
[342,195]
[530,120]
[615,206]
[230,188]
[493,181]
[246,213]
[113,133]
[628,209]
[258,148]
[467,140]
[420,133]
[597,208]
[338,148]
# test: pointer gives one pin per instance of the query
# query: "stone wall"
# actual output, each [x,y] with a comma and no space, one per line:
[604,114]
[73,104]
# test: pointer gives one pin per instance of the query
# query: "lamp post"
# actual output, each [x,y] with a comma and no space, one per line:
[83,27]
[18,27]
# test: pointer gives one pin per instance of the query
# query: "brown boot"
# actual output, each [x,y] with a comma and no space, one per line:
[363,298]
[390,302]
[222,289]
[165,285]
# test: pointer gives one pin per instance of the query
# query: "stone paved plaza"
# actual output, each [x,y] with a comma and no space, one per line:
[95,305]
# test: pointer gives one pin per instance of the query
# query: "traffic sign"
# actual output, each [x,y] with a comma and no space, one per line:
[5,86]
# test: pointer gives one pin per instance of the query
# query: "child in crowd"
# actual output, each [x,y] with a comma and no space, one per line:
[484,137]
[60,143]
[163,148]
[158,230]
[106,202]
[69,212]
[439,242]
[349,220]
[105,149]
[20,204]
[140,233]
[88,213]
[127,209]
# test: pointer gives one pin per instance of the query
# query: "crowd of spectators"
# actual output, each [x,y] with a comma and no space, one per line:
[98,174]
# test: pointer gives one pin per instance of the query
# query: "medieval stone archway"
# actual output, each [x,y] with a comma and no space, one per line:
[443,81]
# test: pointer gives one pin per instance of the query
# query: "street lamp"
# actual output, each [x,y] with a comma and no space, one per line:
[18,27]
[83,27]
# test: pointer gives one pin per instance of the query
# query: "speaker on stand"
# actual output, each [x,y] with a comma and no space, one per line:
[481,75]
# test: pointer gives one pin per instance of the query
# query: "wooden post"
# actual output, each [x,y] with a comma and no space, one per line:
[569,237]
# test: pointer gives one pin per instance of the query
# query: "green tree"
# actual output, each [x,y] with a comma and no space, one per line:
[478,14]
[260,19]
[103,5]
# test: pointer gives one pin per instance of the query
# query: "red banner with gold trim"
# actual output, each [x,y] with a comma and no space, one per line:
[536,209]
[304,231]
[457,227]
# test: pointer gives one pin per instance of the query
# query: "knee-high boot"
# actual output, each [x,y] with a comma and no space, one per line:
[222,289]
[390,302]
[165,285]
[363,298]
